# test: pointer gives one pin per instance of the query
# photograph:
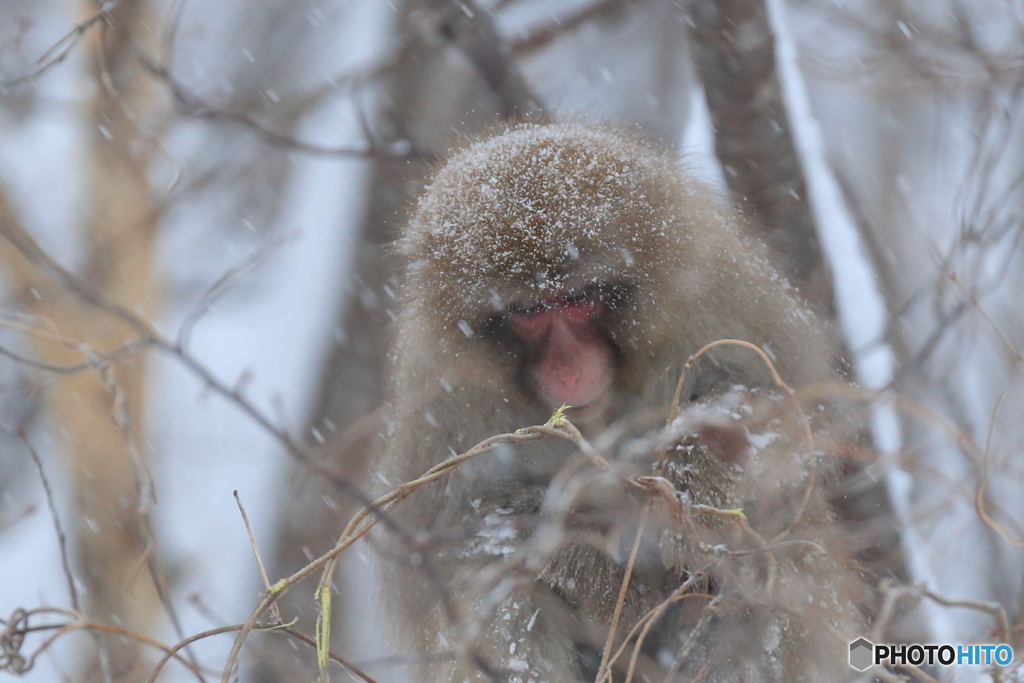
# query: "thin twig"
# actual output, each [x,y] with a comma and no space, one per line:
[256,551]
[362,522]
[673,413]
[604,668]
[684,651]
[62,538]
[272,628]
[980,501]
[17,626]
[541,36]
[173,651]
[808,434]
[193,106]
[222,285]
[69,41]
[646,621]
[354,669]
[12,516]
[993,609]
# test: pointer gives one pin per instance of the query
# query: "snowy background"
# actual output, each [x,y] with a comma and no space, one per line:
[907,117]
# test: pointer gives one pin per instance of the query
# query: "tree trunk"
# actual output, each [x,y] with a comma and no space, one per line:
[734,52]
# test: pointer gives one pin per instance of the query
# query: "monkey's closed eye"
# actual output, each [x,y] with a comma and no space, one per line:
[531,312]
[529,322]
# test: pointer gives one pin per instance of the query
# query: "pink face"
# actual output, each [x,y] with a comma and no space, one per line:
[570,363]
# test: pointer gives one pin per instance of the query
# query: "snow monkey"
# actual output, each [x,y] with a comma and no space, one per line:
[571,265]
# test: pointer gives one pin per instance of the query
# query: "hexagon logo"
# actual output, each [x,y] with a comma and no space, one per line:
[861,654]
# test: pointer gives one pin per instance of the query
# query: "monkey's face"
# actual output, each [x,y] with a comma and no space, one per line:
[549,242]
[567,357]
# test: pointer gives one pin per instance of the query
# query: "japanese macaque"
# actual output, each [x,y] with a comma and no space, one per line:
[569,265]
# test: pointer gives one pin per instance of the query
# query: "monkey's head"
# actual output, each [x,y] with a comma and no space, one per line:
[583,255]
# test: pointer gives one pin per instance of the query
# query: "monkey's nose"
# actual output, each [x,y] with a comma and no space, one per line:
[575,368]
[569,374]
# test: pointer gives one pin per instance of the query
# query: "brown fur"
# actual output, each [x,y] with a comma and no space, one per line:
[546,209]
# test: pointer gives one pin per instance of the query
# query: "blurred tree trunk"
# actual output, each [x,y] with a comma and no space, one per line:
[87,410]
[119,227]
[734,52]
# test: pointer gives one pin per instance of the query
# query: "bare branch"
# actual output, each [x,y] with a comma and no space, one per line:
[190,104]
[68,42]
[541,36]
[223,284]
[62,538]
[256,552]
[471,29]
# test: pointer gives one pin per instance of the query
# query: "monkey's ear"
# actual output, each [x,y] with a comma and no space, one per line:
[726,442]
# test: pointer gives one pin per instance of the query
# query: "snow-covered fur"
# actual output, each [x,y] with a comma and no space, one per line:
[520,554]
